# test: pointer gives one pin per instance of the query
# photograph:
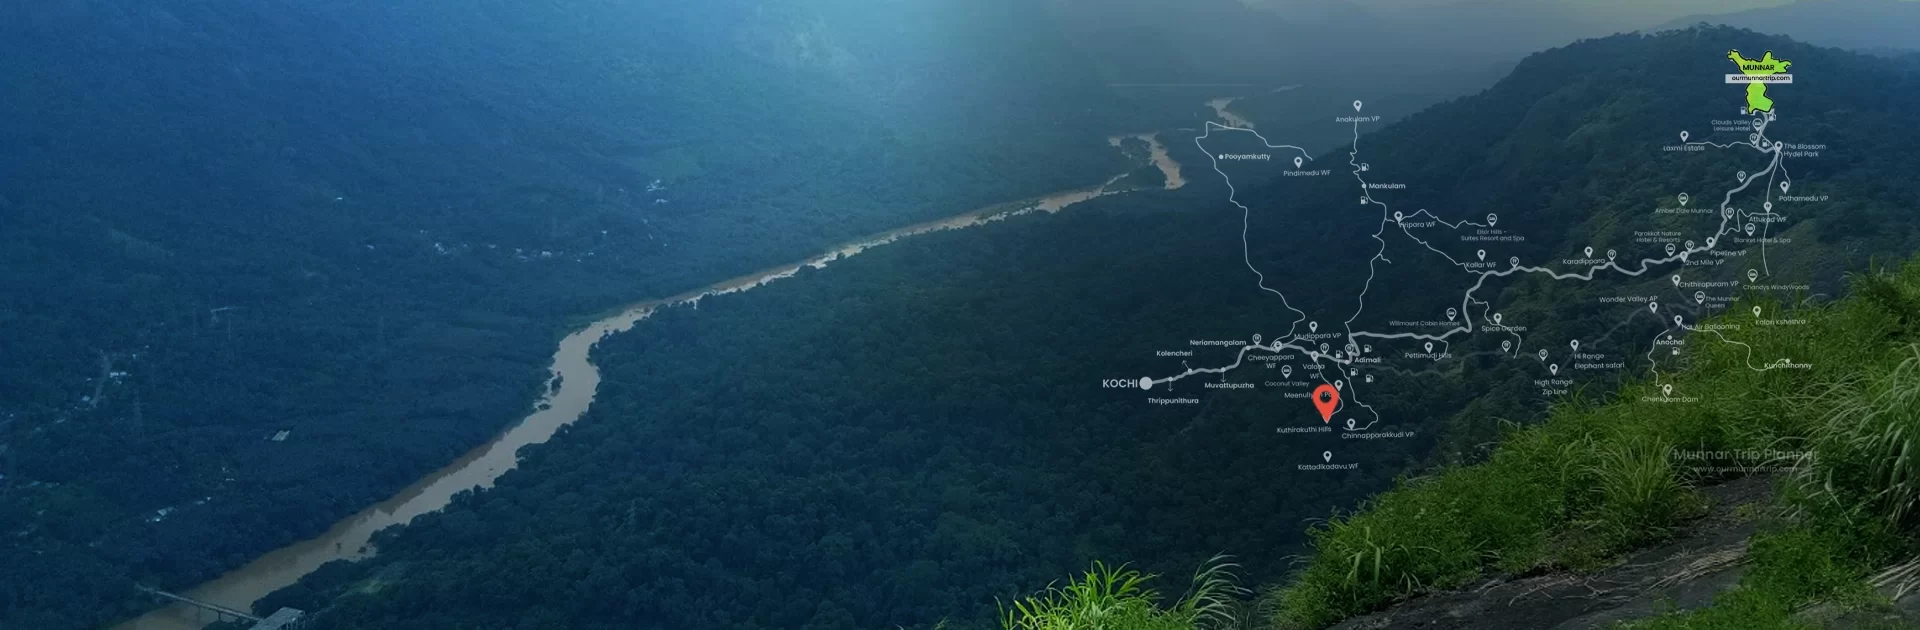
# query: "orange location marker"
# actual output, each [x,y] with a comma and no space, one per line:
[1326,398]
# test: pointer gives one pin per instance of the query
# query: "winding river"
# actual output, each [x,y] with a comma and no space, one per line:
[570,390]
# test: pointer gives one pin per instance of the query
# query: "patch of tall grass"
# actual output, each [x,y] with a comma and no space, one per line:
[1117,598]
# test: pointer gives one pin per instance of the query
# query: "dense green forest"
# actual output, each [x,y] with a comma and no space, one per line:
[916,434]
[364,224]
[360,227]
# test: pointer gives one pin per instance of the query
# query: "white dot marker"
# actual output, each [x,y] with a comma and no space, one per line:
[1496,318]
[1683,136]
[1506,346]
[1297,162]
[1356,106]
[1575,344]
[1451,314]
[1482,254]
[1429,347]
[1554,369]
[1753,275]
[1313,326]
[1328,456]
[1492,219]
[1146,382]
[1676,280]
[1589,252]
[1700,297]
[1683,199]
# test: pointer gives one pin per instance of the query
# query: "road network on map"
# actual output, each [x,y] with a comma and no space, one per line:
[1339,366]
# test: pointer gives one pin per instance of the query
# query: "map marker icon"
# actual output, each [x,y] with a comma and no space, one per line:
[1326,398]
[1700,297]
[1784,185]
[1356,106]
[1482,254]
[1683,199]
[1506,346]
[1297,162]
[1653,307]
[1753,275]
[1683,136]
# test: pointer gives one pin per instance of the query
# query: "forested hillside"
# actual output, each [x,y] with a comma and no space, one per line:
[264,263]
[907,436]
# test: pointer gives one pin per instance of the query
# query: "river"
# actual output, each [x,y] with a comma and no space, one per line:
[569,391]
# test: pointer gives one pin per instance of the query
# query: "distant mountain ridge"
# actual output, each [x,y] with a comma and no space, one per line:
[1881,26]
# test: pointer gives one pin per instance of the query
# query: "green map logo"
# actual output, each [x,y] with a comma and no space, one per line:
[1757,74]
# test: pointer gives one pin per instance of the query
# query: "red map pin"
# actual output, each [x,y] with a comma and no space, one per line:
[1325,398]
